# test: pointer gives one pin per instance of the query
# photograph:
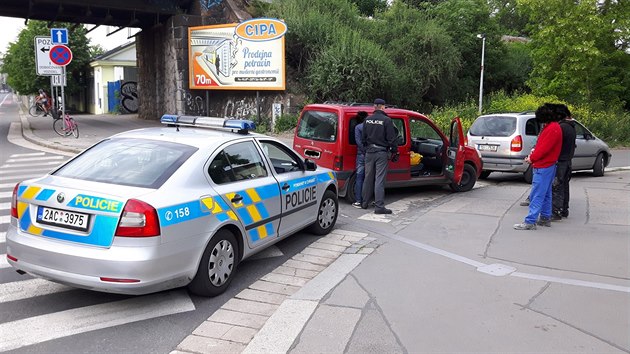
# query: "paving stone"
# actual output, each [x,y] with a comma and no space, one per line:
[361,242]
[320,253]
[370,238]
[352,238]
[309,274]
[366,250]
[333,236]
[284,270]
[304,265]
[261,296]
[349,233]
[284,279]
[275,287]
[255,307]
[198,344]
[328,247]
[312,259]
[351,250]
[239,318]
[319,327]
[240,334]
[336,242]
[212,329]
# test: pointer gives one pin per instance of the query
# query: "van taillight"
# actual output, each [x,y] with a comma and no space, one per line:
[138,219]
[516,144]
[338,163]
[14,201]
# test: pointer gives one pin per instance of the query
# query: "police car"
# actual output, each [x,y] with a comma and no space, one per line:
[159,208]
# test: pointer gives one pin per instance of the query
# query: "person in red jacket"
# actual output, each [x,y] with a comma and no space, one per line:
[543,160]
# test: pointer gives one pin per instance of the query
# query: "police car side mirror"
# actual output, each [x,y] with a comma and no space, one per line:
[310,165]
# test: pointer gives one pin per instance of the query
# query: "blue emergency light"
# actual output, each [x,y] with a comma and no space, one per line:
[241,125]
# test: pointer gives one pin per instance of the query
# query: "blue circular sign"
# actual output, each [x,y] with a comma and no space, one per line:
[60,55]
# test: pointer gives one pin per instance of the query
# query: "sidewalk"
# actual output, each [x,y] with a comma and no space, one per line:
[449,277]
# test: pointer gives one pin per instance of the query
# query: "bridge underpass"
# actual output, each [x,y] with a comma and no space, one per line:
[161,47]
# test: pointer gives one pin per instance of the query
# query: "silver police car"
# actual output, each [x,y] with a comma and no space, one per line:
[159,208]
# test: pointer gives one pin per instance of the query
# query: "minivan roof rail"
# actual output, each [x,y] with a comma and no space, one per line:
[528,112]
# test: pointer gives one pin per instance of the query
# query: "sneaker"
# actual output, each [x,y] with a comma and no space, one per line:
[382,211]
[524,203]
[544,222]
[556,217]
[524,226]
[357,205]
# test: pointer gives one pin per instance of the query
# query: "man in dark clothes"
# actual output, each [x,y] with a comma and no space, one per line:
[563,170]
[379,138]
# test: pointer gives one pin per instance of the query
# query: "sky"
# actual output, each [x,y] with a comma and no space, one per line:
[10,28]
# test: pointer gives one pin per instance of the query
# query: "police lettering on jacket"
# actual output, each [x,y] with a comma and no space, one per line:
[370,121]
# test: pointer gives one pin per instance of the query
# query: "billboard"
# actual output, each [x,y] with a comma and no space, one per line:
[245,56]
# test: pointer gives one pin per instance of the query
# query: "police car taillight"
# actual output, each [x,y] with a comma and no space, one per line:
[14,212]
[138,219]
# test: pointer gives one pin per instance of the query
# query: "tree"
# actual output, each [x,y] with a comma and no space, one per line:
[579,50]
[370,7]
[19,61]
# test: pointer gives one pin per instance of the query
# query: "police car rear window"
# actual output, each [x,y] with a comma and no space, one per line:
[317,125]
[493,126]
[130,162]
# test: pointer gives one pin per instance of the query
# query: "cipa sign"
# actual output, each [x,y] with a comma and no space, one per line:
[245,56]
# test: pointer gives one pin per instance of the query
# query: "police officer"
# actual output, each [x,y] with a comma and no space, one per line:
[379,139]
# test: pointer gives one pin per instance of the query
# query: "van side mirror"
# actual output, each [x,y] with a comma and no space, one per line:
[310,165]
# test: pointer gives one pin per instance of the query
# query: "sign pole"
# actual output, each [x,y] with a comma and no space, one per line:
[52,95]
[63,97]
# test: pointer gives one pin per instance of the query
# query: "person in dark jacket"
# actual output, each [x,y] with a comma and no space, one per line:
[379,139]
[563,167]
[360,160]
[543,160]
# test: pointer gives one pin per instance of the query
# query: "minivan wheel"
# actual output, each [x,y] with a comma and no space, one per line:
[350,185]
[598,167]
[218,265]
[528,175]
[469,178]
[484,174]
[326,214]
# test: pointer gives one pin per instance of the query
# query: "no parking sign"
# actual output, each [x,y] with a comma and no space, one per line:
[60,55]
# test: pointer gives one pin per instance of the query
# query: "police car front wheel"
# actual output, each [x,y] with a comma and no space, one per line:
[326,214]
[217,266]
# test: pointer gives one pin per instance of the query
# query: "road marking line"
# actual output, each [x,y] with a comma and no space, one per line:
[35,159]
[3,236]
[576,282]
[32,164]
[31,154]
[4,263]
[5,219]
[44,170]
[33,330]
[24,289]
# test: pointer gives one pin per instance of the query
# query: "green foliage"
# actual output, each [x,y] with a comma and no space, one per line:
[19,61]
[285,122]
[262,127]
[370,7]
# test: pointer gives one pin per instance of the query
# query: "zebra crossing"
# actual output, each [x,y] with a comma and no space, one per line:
[18,332]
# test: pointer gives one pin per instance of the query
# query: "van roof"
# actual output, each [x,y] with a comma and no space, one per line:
[356,108]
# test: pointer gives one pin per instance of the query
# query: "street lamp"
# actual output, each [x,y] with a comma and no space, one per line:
[483,52]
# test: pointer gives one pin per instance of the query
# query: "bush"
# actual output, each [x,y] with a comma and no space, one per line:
[285,122]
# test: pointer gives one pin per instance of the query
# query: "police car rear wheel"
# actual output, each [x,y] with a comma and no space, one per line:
[217,267]
[326,214]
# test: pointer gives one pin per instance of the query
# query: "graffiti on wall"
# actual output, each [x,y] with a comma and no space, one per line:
[129,96]
[208,4]
[193,104]
[240,108]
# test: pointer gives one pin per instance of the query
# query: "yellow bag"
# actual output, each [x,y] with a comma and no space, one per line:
[415,158]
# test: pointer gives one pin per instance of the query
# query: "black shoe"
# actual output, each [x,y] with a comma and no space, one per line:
[565,214]
[382,211]
[364,206]
[556,217]
[543,222]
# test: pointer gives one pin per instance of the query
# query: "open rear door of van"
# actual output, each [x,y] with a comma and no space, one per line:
[455,153]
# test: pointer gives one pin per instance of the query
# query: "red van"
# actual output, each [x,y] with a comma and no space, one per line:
[325,134]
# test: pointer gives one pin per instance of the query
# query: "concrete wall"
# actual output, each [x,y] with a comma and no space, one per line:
[162,57]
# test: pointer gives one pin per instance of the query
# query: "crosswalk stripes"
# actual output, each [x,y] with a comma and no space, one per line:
[37,329]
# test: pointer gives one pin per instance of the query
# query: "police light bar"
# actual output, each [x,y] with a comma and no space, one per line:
[243,126]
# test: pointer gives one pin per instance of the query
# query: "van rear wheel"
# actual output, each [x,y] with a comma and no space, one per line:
[350,189]
[469,178]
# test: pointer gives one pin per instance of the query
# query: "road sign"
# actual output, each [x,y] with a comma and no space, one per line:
[58,80]
[60,55]
[44,65]
[59,35]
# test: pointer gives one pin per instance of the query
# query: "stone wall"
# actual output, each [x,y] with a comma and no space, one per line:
[162,57]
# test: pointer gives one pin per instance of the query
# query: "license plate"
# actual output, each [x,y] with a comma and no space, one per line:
[63,218]
[487,148]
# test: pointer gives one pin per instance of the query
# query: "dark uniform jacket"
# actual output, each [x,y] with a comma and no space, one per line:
[379,133]
[568,140]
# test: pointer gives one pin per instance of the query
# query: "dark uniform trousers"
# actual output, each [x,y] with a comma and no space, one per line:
[374,183]
[560,190]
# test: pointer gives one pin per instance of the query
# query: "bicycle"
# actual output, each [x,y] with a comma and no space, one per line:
[36,110]
[66,126]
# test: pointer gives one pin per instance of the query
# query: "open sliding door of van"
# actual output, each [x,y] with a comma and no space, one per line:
[455,152]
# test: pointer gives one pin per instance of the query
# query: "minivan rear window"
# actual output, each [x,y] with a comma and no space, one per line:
[493,126]
[130,162]
[318,125]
